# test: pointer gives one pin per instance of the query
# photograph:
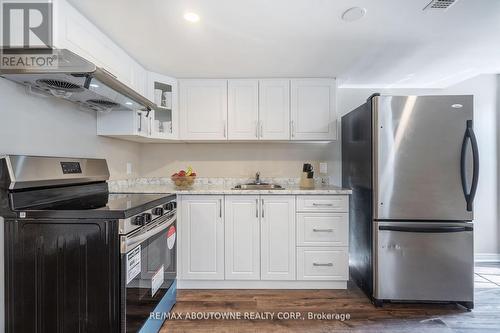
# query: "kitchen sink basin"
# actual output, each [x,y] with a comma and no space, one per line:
[261,186]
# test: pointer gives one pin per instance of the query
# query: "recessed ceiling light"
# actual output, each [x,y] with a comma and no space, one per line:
[191,17]
[353,14]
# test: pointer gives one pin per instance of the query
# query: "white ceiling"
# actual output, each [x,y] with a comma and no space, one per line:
[395,45]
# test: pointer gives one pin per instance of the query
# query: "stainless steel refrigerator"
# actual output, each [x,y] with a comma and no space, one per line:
[413,165]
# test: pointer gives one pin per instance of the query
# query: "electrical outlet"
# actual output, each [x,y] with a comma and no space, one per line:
[129,168]
[323,168]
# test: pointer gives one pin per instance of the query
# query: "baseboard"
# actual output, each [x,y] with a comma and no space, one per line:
[487,257]
[231,284]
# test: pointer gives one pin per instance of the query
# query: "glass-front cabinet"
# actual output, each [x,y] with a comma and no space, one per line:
[162,90]
[159,124]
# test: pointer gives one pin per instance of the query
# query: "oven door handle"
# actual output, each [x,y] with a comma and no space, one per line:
[128,243]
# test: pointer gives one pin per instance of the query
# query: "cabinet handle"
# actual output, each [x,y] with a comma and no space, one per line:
[261,129]
[140,122]
[220,208]
[262,202]
[257,129]
[257,208]
[322,230]
[292,125]
[150,126]
[325,264]
[322,205]
[224,129]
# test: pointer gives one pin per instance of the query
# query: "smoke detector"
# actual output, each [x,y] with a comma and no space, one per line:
[440,4]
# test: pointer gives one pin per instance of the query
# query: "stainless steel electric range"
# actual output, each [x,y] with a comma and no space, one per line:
[77,258]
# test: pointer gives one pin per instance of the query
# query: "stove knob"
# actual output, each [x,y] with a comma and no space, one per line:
[158,211]
[169,206]
[174,203]
[147,217]
[139,220]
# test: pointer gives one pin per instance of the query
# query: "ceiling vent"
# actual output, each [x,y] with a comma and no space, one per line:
[440,4]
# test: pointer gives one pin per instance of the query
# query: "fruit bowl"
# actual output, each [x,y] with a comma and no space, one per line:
[183,182]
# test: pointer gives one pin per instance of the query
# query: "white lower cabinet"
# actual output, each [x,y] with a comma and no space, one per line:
[325,263]
[262,241]
[201,237]
[277,234]
[242,237]
[322,229]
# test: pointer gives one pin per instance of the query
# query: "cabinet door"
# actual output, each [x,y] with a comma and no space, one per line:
[277,237]
[313,109]
[274,109]
[243,109]
[73,31]
[242,237]
[203,109]
[201,232]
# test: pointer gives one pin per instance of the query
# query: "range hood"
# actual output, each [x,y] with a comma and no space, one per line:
[79,81]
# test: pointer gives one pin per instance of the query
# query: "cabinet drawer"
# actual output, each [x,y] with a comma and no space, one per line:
[322,229]
[323,203]
[320,263]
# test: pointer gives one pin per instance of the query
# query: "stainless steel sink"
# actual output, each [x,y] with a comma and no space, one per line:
[261,186]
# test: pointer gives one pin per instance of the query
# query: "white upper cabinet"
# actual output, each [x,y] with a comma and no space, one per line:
[274,109]
[203,109]
[75,32]
[162,90]
[243,109]
[313,112]
[259,109]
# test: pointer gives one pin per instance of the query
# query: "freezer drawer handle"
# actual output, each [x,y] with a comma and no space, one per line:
[425,229]
[322,230]
[320,264]
[469,135]
[322,205]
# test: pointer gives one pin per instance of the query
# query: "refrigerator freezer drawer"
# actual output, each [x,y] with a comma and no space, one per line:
[423,261]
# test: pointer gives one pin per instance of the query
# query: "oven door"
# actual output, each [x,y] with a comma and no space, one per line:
[148,272]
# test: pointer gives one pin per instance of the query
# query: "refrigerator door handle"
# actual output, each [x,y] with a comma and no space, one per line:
[469,136]
[425,229]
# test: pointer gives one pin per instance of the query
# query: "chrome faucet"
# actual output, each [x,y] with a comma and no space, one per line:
[257,178]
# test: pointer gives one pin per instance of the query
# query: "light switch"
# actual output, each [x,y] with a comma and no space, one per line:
[323,168]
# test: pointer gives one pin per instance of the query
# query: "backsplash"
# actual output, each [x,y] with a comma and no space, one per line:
[116,185]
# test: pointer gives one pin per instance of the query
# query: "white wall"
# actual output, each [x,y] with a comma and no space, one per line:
[47,126]
[485,89]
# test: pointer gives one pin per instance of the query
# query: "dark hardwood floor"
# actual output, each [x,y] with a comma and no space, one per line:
[364,317]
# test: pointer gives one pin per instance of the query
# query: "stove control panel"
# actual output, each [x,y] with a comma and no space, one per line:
[158,211]
[148,216]
[169,206]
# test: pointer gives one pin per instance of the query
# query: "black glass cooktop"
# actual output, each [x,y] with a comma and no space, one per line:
[105,201]
[88,203]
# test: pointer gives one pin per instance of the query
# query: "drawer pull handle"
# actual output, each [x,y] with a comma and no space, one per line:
[322,230]
[318,204]
[320,264]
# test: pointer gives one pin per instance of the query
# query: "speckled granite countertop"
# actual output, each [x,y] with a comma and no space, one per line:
[220,189]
